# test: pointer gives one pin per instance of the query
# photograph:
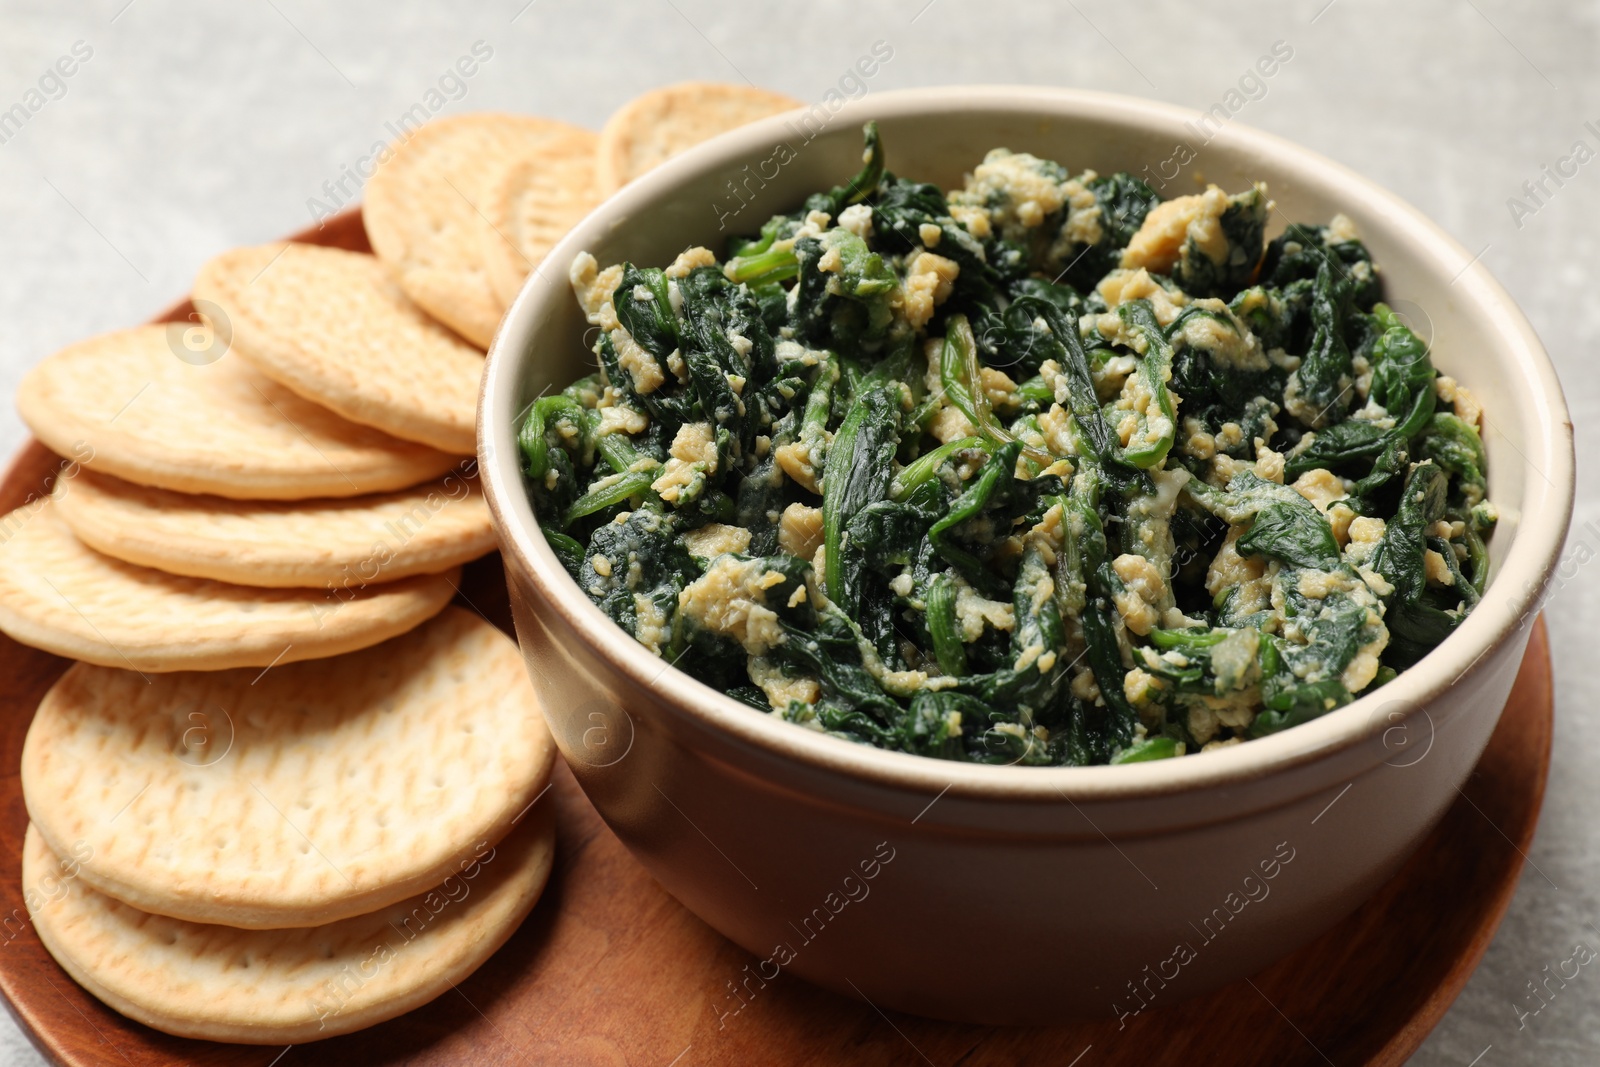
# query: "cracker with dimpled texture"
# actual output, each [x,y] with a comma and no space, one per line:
[531,203]
[281,544]
[284,986]
[58,594]
[125,404]
[424,211]
[301,796]
[657,125]
[335,328]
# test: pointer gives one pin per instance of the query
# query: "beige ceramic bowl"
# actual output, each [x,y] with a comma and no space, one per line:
[1008,894]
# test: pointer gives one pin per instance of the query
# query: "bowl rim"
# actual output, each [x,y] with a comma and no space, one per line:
[1509,604]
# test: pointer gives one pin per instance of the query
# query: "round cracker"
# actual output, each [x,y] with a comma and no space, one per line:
[424,215]
[659,124]
[127,404]
[295,797]
[335,328]
[285,986]
[426,529]
[58,594]
[531,203]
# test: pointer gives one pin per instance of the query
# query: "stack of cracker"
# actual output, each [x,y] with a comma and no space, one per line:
[288,792]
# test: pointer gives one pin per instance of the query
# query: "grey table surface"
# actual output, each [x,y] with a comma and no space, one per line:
[186,128]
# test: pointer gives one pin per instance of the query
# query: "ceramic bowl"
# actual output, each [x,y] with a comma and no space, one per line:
[1010,894]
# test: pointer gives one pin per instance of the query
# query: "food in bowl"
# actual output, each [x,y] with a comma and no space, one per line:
[1045,470]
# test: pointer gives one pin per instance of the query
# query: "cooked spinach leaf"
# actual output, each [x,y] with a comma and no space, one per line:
[1039,471]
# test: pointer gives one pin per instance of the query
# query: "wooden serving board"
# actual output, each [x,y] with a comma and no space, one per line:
[610,970]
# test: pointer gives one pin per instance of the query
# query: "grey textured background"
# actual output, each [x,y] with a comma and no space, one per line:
[194,127]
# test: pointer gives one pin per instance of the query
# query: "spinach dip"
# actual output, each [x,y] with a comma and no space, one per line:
[1043,470]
